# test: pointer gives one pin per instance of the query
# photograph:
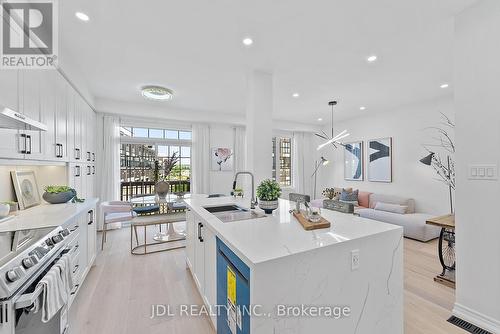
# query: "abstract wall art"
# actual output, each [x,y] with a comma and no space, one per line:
[353,161]
[380,160]
[222,159]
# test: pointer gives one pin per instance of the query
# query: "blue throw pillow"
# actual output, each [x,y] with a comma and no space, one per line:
[350,197]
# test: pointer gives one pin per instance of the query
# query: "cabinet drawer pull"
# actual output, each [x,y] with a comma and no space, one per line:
[28,151]
[76,268]
[88,156]
[93,157]
[23,140]
[199,228]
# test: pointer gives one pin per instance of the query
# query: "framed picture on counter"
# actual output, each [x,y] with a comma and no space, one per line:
[26,188]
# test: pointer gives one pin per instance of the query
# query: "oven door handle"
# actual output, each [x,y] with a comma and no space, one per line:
[28,299]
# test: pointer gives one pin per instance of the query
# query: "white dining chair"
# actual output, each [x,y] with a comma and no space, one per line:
[115,212]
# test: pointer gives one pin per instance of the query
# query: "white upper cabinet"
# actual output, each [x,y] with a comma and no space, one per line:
[10,141]
[61,118]
[31,107]
[48,113]
[47,97]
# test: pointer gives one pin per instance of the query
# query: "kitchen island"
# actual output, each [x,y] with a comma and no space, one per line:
[282,279]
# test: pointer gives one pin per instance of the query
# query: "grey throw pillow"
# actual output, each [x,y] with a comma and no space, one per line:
[349,197]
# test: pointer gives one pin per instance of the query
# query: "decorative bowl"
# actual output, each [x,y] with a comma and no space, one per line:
[268,206]
[59,198]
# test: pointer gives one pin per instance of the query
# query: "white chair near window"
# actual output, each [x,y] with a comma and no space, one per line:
[115,212]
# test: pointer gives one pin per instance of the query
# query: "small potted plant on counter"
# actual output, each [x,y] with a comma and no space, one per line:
[60,194]
[268,193]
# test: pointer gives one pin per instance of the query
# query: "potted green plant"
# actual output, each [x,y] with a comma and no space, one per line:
[59,194]
[268,193]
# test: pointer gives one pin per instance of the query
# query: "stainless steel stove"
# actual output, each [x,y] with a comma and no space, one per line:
[25,257]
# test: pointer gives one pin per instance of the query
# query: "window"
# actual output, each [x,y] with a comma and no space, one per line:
[282,161]
[142,149]
[155,133]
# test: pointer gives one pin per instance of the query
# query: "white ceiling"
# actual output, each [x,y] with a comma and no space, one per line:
[317,48]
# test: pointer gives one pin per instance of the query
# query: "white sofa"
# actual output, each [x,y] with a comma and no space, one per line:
[413,223]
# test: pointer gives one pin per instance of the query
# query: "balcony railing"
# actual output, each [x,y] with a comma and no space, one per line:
[137,188]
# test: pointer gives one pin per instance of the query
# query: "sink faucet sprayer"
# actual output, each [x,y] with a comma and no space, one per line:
[253,200]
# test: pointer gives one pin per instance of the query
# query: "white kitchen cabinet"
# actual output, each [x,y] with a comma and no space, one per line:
[210,256]
[10,140]
[91,237]
[61,118]
[190,239]
[30,105]
[83,241]
[201,257]
[48,113]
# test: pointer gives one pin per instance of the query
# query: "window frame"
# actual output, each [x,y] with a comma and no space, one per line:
[277,156]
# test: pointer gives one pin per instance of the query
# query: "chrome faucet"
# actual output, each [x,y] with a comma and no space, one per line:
[253,200]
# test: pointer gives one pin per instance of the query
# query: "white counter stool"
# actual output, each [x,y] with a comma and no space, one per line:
[154,220]
[115,212]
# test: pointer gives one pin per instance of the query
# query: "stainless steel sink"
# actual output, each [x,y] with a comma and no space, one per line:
[232,213]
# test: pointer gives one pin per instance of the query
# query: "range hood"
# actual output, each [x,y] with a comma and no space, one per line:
[10,119]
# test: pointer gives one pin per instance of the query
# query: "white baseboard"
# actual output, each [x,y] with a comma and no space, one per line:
[482,321]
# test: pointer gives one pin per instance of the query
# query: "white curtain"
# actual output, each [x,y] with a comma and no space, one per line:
[200,159]
[239,149]
[109,160]
[303,163]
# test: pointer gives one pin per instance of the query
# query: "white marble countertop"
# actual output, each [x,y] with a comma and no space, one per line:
[280,234]
[46,215]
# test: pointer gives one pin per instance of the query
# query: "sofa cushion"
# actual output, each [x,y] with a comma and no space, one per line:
[394,208]
[349,196]
[364,198]
[375,198]
[413,224]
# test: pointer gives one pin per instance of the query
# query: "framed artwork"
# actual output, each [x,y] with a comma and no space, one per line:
[222,159]
[26,188]
[353,161]
[380,160]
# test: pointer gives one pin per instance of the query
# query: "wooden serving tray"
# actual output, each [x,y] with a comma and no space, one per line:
[307,225]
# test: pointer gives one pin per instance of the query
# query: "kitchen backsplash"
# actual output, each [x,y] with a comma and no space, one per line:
[45,175]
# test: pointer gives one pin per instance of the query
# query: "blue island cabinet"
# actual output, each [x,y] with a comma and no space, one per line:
[233,292]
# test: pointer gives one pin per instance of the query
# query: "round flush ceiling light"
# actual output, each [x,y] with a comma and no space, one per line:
[362,108]
[320,119]
[157,93]
[247,41]
[371,58]
[445,85]
[296,95]
[82,16]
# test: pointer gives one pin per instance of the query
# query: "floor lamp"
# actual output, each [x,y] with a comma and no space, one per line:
[321,162]
[445,172]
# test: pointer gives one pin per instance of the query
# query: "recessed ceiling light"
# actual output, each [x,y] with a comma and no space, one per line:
[371,58]
[157,93]
[362,108]
[445,85]
[296,95]
[320,119]
[247,41]
[82,16]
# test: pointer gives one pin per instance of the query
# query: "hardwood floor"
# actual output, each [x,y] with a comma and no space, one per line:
[120,289]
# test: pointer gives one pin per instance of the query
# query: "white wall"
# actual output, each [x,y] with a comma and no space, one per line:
[407,127]
[221,136]
[46,175]
[477,84]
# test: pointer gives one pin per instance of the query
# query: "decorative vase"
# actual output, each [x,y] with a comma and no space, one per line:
[162,188]
[59,198]
[4,210]
[268,206]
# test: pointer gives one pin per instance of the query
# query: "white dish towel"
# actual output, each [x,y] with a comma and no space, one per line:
[53,296]
[56,288]
[65,266]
